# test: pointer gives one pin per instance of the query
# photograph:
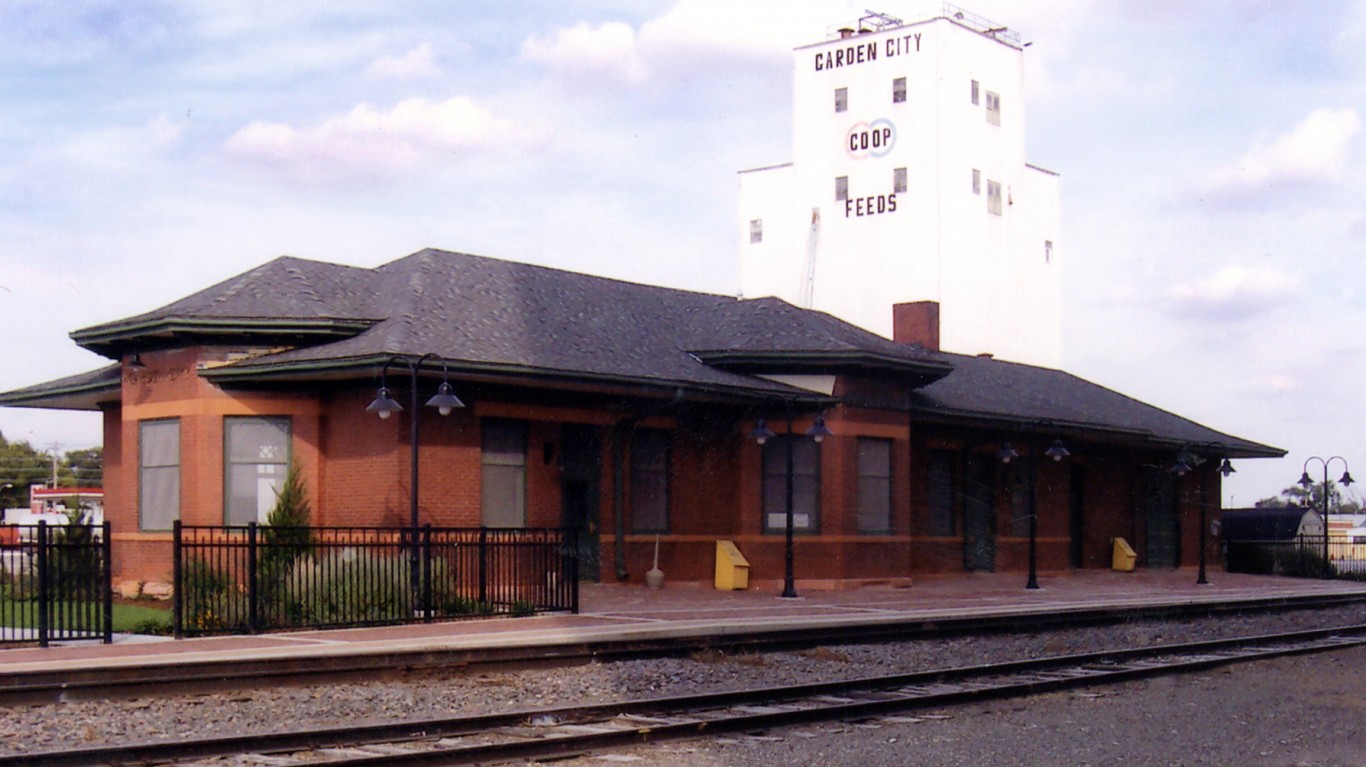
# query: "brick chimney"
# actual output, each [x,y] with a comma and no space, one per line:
[916,322]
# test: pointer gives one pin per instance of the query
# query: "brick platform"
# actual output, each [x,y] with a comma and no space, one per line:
[611,612]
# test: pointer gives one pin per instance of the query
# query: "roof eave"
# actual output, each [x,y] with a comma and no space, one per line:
[108,339]
[1232,448]
[86,396]
[369,365]
[923,372]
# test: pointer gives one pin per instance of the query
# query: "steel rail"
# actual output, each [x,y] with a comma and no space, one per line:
[572,730]
[39,687]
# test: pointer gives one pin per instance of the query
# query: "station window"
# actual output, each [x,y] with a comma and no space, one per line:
[975,88]
[874,485]
[841,188]
[756,230]
[503,488]
[994,198]
[899,90]
[976,181]
[841,99]
[993,108]
[158,473]
[650,481]
[898,180]
[806,464]
[256,453]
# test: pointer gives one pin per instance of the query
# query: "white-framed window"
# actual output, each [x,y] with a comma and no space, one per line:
[756,230]
[874,485]
[806,470]
[841,188]
[898,180]
[993,108]
[899,90]
[975,88]
[158,473]
[503,489]
[976,181]
[650,481]
[841,99]
[994,198]
[255,462]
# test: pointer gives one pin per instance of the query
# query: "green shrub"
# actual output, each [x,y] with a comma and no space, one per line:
[350,586]
[210,600]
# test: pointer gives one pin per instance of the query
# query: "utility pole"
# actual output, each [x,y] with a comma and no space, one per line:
[55,447]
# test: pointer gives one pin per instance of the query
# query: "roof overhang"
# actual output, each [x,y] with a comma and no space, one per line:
[916,372]
[260,373]
[110,340]
[1228,447]
[86,391]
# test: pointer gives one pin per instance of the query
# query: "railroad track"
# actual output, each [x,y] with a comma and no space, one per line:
[568,731]
[102,683]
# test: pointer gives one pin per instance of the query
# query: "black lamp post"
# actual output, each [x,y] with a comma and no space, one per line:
[1007,454]
[761,434]
[1225,468]
[384,405]
[1308,484]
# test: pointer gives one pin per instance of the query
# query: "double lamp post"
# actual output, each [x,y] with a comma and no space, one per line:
[384,405]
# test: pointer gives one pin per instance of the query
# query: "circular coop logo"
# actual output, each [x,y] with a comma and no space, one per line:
[874,139]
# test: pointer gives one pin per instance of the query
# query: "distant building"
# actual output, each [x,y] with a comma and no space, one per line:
[909,182]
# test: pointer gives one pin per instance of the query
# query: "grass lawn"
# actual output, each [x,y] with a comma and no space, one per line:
[129,618]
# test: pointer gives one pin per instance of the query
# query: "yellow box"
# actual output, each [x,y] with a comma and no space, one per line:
[1124,558]
[732,569]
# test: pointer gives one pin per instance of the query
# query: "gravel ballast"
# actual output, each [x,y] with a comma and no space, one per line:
[91,723]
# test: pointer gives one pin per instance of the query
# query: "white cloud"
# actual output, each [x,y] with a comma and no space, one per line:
[373,144]
[1233,293]
[1311,154]
[164,131]
[608,51]
[694,39]
[419,62]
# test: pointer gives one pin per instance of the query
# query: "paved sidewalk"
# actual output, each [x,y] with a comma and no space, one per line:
[624,613]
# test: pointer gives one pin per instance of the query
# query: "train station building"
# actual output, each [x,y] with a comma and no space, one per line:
[631,413]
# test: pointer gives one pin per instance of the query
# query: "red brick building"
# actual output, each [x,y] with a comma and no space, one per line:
[625,411]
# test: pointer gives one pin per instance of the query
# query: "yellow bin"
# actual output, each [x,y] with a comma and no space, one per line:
[732,569]
[1124,558]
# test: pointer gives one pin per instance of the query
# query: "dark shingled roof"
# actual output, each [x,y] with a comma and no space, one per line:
[84,391]
[1000,392]
[502,319]
[492,315]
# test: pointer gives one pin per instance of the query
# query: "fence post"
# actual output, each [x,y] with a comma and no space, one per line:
[483,564]
[43,585]
[574,570]
[427,573]
[253,588]
[177,583]
[107,580]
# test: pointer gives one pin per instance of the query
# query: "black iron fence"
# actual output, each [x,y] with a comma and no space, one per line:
[55,583]
[262,578]
[1299,557]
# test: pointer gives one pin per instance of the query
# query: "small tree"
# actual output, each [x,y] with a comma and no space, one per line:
[286,536]
[76,558]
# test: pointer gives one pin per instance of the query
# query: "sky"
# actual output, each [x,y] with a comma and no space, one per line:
[1213,175]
